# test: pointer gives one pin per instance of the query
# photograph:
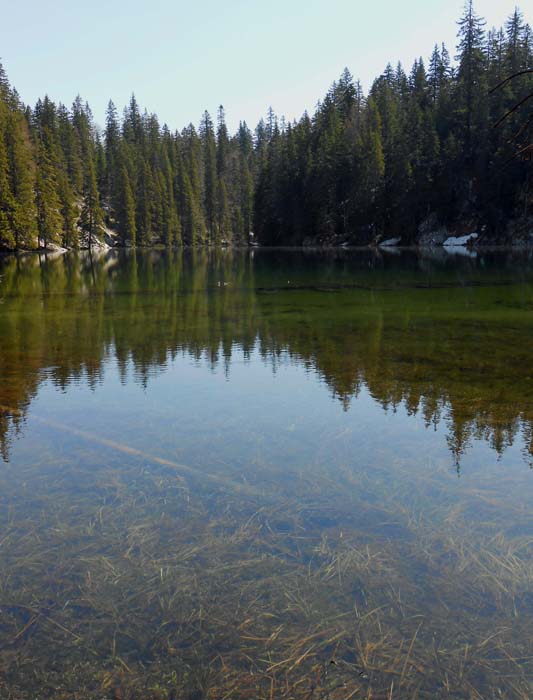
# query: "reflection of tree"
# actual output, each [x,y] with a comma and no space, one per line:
[435,348]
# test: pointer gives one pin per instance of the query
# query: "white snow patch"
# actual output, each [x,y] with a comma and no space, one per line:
[454,241]
[389,242]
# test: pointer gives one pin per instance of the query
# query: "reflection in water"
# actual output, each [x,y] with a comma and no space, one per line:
[186,512]
[434,335]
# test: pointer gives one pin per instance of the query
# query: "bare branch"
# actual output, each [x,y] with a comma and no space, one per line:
[509,78]
[513,109]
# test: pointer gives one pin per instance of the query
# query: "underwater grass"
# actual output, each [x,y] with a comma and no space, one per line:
[144,588]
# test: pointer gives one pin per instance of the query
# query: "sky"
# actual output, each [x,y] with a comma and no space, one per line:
[181,58]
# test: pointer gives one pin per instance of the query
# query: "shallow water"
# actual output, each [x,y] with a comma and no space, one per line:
[263,474]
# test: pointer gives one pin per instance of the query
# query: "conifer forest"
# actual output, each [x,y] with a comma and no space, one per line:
[426,144]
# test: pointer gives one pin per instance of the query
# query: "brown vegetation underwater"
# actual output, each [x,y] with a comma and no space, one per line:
[144,590]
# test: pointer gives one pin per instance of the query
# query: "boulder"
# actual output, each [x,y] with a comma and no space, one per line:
[431,232]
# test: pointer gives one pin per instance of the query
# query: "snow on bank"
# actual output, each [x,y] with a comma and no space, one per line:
[455,241]
[389,242]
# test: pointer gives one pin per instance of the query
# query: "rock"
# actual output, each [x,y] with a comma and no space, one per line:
[95,244]
[431,232]
[50,247]
[520,232]
[111,238]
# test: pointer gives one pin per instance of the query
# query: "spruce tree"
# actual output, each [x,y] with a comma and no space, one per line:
[7,200]
[49,220]
[207,137]
[125,209]
[69,235]
[144,205]
[91,218]
[22,181]
[112,145]
[470,73]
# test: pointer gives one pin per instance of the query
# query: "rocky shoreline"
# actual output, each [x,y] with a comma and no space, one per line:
[460,238]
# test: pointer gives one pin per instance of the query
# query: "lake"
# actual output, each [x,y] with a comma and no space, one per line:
[266,474]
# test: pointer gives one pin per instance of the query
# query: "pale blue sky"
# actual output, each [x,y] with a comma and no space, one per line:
[183,57]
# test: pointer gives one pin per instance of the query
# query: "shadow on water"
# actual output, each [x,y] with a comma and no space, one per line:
[213,525]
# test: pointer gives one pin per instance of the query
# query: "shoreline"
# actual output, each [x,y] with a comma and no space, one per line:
[459,249]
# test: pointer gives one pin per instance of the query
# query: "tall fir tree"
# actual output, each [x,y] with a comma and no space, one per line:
[91,218]
[207,137]
[49,219]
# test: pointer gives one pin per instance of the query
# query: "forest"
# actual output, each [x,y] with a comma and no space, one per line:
[426,149]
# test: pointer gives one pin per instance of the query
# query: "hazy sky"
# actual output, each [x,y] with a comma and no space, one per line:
[183,57]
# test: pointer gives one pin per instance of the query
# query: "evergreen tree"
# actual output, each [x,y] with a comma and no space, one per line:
[224,232]
[471,87]
[69,236]
[246,183]
[22,181]
[514,29]
[125,206]
[7,200]
[91,218]
[49,219]
[207,137]
[144,202]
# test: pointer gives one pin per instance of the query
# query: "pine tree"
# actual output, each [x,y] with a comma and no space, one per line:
[171,225]
[125,208]
[471,69]
[434,74]
[91,218]
[224,233]
[22,181]
[49,220]
[69,235]
[144,203]
[193,227]
[371,165]
[7,200]
[514,28]
[69,143]
[246,184]
[5,87]
[112,144]
[207,137]
[191,178]
[132,126]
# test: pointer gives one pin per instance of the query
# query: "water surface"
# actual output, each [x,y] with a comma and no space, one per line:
[263,474]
